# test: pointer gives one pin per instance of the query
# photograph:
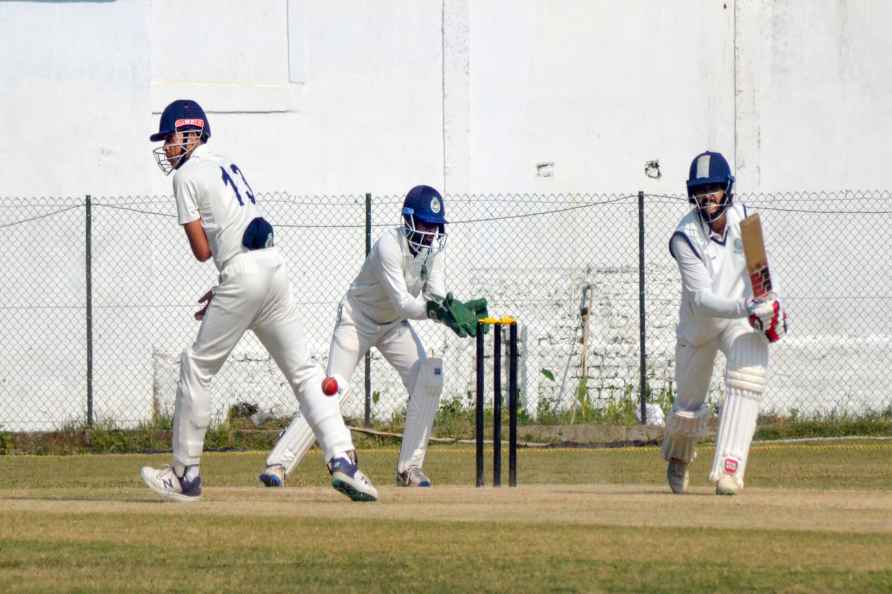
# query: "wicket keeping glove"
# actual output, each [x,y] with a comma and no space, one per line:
[479,307]
[454,314]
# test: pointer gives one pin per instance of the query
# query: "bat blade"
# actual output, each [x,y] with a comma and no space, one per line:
[756,257]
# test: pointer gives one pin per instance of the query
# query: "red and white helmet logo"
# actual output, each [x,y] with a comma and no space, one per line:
[198,123]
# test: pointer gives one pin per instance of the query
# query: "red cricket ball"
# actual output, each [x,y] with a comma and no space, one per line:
[329,386]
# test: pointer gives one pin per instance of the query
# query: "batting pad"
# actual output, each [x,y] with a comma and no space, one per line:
[323,414]
[683,430]
[298,437]
[293,444]
[747,363]
[420,412]
[737,423]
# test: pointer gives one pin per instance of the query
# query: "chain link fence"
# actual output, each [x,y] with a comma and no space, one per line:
[99,295]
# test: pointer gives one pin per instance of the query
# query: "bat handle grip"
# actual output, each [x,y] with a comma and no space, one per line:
[761,282]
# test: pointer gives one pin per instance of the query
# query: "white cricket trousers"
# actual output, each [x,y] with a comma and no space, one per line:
[746,352]
[353,336]
[254,294]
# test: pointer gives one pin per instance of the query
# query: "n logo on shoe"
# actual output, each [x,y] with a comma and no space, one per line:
[731,465]
[168,484]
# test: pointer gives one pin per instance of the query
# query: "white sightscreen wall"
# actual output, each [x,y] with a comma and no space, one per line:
[75,102]
[324,97]
[229,56]
[356,96]
[597,89]
[814,95]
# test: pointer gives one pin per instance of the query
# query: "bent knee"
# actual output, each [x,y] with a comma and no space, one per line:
[747,379]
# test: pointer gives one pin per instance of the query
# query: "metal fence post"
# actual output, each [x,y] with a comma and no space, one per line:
[368,355]
[88,244]
[642,338]
[497,405]
[479,415]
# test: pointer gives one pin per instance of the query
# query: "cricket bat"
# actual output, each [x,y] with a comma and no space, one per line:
[756,258]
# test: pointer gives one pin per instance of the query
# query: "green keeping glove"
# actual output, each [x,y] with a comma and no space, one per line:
[436,311]
[478,306]
[440,313]
[464,317]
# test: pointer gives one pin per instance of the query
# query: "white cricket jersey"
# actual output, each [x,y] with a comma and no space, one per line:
[714,283]
[392,285]
[211,187]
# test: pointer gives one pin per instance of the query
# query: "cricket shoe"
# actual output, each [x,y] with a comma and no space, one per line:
[727,485]
[349,480]
[273,476]
[166,483]
[412,477]
[677,475]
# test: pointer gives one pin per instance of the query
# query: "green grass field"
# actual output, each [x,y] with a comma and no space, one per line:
[813,518]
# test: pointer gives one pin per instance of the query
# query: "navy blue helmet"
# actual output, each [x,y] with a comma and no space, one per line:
[710,171]
[424,204]
[183,115]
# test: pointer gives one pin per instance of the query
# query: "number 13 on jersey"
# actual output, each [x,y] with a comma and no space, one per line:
[234,183]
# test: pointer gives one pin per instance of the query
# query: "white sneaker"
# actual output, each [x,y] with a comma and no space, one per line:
[677,475]
[273,476]
[412,477]
[727,485]
[349,480]
[166,483]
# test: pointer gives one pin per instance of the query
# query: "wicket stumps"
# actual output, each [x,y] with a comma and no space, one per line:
[497,325]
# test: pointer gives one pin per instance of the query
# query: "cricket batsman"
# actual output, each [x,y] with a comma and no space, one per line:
[402,279]
[717,312]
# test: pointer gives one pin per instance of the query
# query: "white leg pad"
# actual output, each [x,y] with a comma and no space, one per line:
[323,415]
[298,438]
[293,444]
[420,412]
[737,423]
[683,430]
[744,389]
[192,412]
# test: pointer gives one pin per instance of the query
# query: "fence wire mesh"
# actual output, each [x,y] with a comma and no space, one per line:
[566,266]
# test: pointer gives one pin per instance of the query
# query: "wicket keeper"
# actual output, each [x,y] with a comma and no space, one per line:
[402,279]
